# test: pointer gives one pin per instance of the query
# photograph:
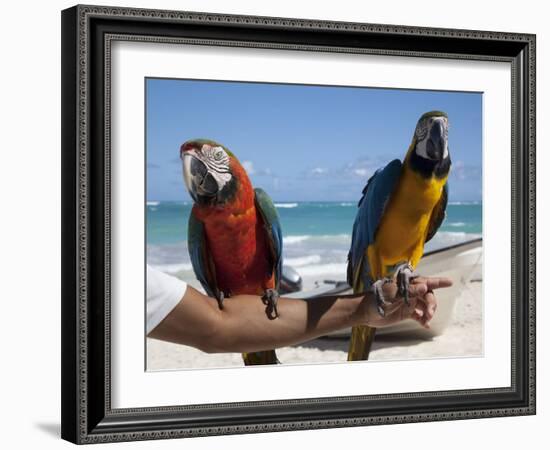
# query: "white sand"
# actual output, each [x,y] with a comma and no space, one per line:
[462,337]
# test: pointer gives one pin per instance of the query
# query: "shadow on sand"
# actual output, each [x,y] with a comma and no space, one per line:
[381,342]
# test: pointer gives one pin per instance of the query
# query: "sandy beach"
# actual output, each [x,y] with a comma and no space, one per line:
[316,246]
[462,337]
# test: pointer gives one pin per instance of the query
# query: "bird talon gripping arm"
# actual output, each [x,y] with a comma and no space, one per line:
[401,209]
[220,298]
[270,299]
[377,288]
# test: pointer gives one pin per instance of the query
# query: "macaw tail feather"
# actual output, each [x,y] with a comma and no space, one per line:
[360,343]
[260,358]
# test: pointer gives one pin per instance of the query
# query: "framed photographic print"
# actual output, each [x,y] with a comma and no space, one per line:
[303,164]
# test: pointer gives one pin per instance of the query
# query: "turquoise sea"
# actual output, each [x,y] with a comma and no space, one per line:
[316,239]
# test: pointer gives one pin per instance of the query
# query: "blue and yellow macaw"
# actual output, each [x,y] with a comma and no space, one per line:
[401,209]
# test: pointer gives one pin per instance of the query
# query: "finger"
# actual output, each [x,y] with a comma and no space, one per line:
[420,316]
[425,321]
[431,301]
[439,282]
[417,289]
[430,305]
[424,316]
[433,282]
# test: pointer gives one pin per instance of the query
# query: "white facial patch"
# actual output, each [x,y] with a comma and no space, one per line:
[217,161]
[422,133]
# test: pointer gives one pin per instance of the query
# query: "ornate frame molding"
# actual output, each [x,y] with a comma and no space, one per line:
[87,421]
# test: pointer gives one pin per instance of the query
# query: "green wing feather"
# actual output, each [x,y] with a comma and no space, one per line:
[203,266]
[274,234]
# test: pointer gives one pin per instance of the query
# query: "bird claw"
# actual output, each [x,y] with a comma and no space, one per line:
[220,298]
[379,295]
[404,274]
[270,298]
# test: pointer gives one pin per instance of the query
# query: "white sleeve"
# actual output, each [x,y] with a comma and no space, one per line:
[164,292]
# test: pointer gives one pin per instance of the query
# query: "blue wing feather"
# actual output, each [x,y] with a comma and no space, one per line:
[273,231]
[200,257]
[376,195]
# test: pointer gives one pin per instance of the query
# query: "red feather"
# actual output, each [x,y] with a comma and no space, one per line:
[237,240]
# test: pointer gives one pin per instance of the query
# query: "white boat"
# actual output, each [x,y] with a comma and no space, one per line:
[461,262]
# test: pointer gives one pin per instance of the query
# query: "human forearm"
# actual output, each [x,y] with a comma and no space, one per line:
[243,325]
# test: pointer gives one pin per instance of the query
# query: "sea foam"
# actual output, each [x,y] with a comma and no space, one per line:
[337,270]
[295,239]
[302,260]
[173,268]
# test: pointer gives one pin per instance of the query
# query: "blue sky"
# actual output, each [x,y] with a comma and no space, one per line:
[304,143]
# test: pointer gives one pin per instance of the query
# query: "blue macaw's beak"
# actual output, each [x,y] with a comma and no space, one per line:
[199,182]
[435,147]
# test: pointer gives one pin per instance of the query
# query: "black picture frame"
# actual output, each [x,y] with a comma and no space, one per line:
[87,415]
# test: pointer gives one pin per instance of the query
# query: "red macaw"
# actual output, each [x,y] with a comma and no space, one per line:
[234,237]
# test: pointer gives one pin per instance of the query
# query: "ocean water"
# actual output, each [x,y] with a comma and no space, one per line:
[316,235]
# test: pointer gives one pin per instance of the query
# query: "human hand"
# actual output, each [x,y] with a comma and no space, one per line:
[421,308]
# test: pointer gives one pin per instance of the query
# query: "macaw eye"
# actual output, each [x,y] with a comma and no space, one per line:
[218,155]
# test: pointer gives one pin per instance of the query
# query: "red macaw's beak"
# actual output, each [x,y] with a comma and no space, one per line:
[200,183]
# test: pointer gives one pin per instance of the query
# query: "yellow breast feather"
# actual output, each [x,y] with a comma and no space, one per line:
[402,231]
